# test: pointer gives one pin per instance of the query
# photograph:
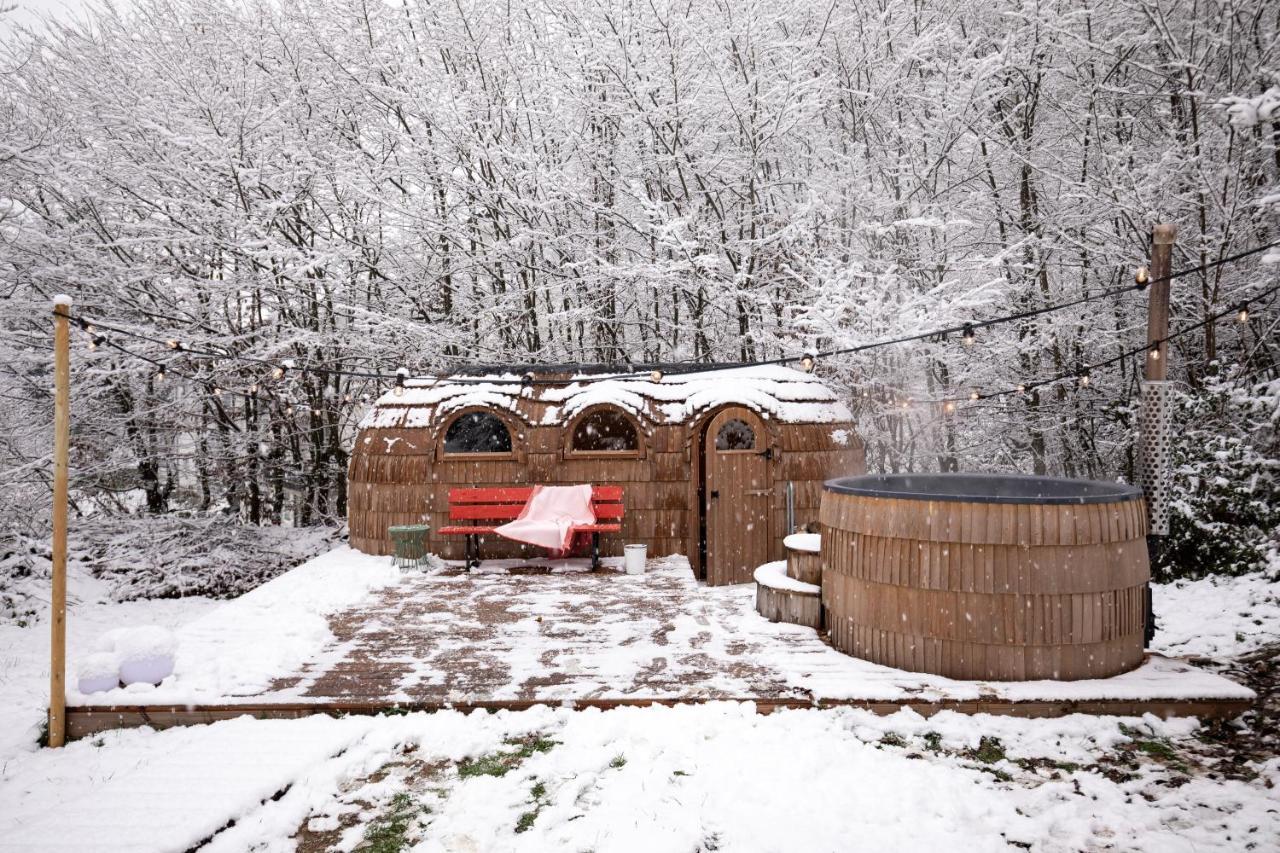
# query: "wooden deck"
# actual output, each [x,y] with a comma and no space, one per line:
[603,640]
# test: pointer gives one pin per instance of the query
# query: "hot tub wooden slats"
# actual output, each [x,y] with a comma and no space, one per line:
[1002,591]
[977,523]
[992,568]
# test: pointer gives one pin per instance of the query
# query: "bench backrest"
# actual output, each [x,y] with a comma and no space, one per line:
[506,502]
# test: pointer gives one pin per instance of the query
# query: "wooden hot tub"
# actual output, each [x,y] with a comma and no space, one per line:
[986,576]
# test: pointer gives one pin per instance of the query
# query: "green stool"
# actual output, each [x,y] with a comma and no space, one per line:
[410,542]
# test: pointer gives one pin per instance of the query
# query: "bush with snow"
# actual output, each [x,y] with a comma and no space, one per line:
[1225,516]
[149,557]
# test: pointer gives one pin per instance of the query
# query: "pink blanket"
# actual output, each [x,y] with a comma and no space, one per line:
[549,516]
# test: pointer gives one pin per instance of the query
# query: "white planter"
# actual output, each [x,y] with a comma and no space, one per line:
[152,669]
[635,557]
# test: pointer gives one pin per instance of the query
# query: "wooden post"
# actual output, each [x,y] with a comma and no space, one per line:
[1162,237]
[61,449]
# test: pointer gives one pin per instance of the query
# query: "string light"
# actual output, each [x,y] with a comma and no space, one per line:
[174,344]
[949,407]
[401,373]
[1155,351]
[655,375]
[807,363]
[96,341]
[160,374]
[1141,277]
[278,372]
[974,395]
[526,379]
[1242,312]
[253,389]
[289,410]
[1022,389]
[968,337]
[1084,379]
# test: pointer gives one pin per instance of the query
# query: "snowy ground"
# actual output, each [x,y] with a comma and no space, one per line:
[712,777]
[716,777]
[350,627]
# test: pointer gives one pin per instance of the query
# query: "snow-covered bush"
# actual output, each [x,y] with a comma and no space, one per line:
[1226,512]
[147,557]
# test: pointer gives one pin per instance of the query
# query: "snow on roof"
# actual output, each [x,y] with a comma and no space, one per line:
[772,390]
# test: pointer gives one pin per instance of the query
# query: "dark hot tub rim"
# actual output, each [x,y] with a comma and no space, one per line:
[984,488]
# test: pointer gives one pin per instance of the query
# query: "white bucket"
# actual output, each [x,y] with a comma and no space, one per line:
[635,557]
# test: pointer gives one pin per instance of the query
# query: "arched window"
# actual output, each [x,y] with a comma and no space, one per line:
[605,431]
[477,432]
[736,435]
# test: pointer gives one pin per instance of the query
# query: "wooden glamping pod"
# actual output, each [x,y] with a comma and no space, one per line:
[704,458]
[981,576]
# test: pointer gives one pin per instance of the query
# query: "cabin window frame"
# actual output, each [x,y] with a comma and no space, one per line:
[513,431]
[570,452]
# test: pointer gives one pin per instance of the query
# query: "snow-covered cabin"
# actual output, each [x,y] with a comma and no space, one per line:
[704,458]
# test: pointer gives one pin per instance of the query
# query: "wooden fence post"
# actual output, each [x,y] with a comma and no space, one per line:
[1162,237]
[61,448]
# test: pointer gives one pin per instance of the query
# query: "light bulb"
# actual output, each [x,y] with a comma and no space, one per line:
[1242,313]
[1141,277]
[656,375]
[807,364]
[968,337]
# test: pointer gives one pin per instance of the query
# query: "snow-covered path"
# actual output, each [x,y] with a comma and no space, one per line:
[655,779]
[650,779]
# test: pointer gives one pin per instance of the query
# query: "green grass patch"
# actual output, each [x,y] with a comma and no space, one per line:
[525,823]
[618,762]
[501,763]
[388,833]
[989,751]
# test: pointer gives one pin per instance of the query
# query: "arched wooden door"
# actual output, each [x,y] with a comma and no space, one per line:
[737,485]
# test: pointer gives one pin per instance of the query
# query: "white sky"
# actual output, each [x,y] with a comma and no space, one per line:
[30,12]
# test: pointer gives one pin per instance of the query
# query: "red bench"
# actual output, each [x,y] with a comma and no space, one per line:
[481,510]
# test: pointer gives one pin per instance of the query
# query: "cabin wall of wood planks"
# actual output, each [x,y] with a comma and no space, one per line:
[401,476]
[996,591]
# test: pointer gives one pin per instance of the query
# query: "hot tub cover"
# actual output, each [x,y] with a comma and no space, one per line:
[984,488]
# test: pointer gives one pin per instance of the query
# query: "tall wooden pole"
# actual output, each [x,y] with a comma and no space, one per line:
[1162,237]
[61,449]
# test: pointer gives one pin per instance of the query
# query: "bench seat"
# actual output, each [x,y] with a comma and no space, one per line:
[486,509]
